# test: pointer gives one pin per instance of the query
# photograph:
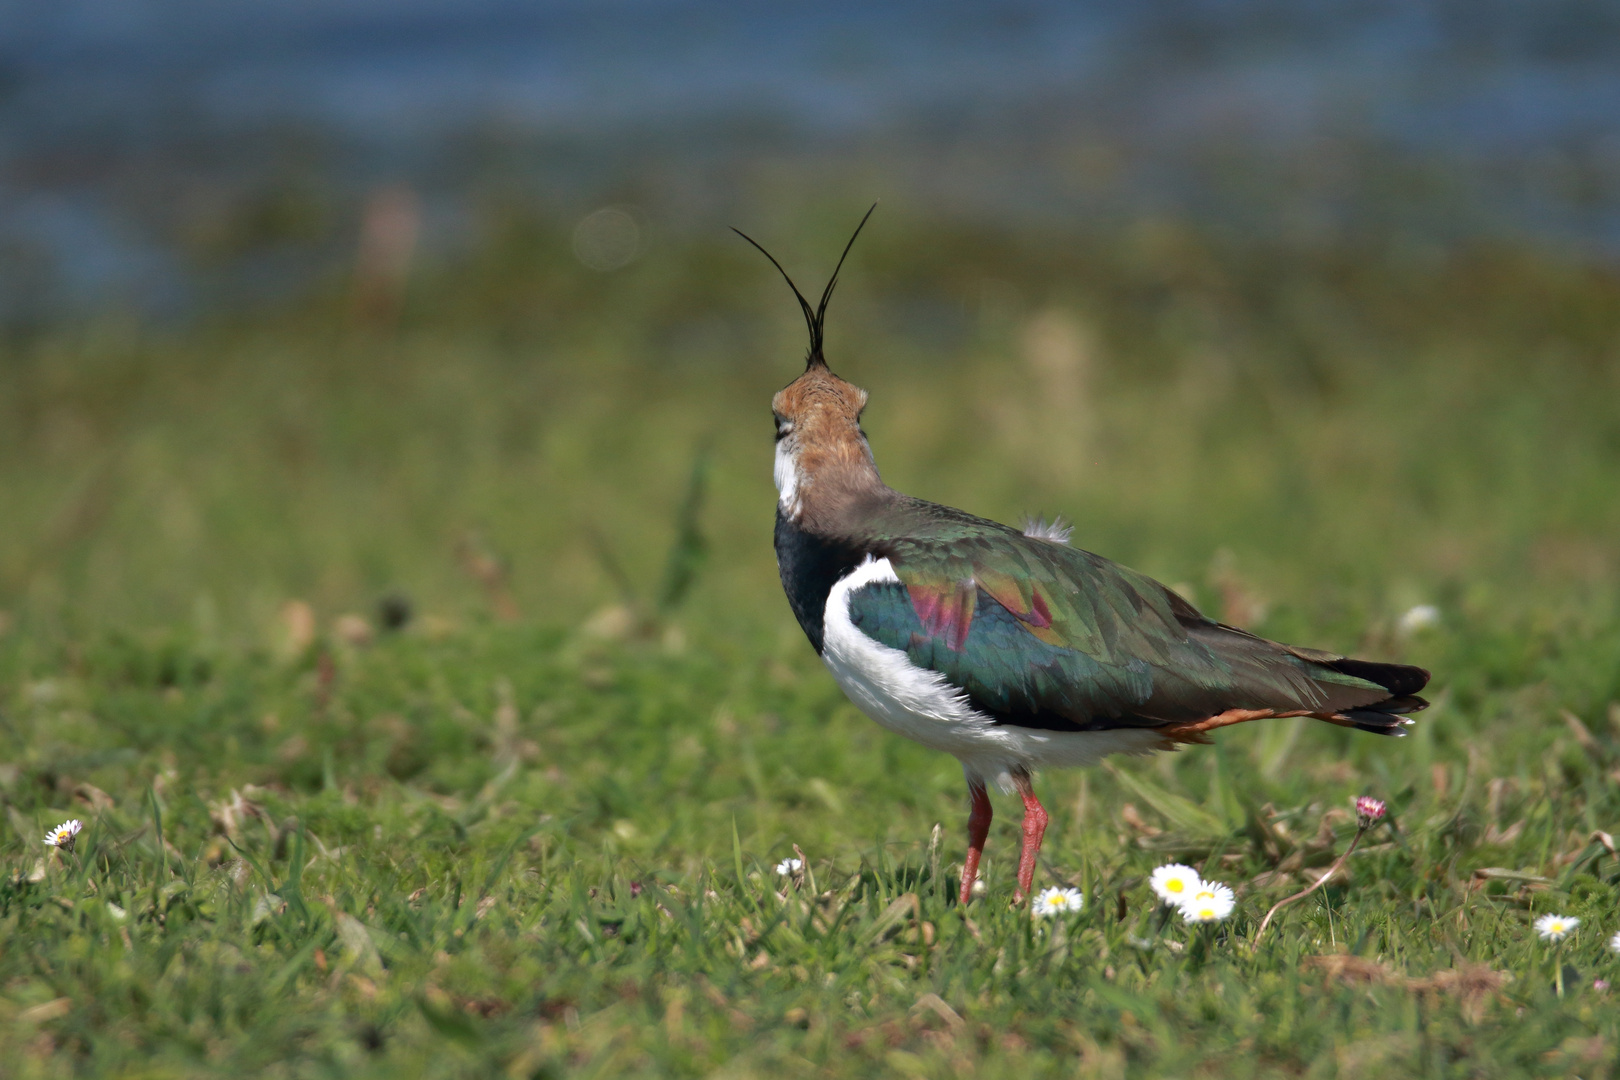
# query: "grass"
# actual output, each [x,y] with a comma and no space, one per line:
[534,832]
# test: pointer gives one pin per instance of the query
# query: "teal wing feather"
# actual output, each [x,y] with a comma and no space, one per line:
[1040,634]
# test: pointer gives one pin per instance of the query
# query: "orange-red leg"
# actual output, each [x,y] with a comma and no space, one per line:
[978,829]
[1034,831]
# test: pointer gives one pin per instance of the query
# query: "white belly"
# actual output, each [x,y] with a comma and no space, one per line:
[922,704]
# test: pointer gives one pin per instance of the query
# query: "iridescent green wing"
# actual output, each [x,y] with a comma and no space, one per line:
[1044,635]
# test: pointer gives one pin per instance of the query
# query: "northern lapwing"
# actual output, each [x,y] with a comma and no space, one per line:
[1009,648]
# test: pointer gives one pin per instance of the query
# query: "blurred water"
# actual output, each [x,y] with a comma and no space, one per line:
[169,153]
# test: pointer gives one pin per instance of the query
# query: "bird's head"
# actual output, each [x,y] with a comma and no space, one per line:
[819,441]
[822,456]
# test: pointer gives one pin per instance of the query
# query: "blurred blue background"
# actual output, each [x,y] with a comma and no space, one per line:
[331,301]
[173,155]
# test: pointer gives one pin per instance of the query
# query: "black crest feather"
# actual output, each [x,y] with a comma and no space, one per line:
[814,318]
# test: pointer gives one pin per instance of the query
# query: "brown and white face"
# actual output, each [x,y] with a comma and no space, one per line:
[821,454]
[819,441]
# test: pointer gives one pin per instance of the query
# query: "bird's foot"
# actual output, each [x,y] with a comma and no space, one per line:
[1035,819]
[978,830]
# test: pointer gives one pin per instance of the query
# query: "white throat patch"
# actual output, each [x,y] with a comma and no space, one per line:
[787,477]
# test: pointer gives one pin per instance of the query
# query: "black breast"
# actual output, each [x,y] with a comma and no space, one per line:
[810,566]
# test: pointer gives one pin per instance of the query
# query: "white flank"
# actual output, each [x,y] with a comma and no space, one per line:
[923,705]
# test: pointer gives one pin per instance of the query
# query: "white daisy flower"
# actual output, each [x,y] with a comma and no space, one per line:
[1556,927]
[1421,617]
[1614,943]
[1057,902]
[1210,902]
[789,867]
[64,834]
[1175,883]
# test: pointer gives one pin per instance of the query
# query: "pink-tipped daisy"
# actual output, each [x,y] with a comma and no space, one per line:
[64,835]
[1368,811]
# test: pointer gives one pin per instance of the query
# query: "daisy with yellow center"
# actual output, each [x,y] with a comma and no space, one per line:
[1211,902]
[1556,927]
[63,835]
[1057,902]
[1175,883]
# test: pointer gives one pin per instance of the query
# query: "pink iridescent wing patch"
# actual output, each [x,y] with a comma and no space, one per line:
[1027,603]
[946,613]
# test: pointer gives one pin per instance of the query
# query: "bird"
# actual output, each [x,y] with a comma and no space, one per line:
[1010,648]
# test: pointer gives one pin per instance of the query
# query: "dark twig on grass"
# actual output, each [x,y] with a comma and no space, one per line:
[1368,812]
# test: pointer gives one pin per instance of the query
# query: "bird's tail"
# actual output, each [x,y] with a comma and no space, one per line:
[1386,717]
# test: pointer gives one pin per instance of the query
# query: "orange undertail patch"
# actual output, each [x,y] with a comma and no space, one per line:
[1198,731]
